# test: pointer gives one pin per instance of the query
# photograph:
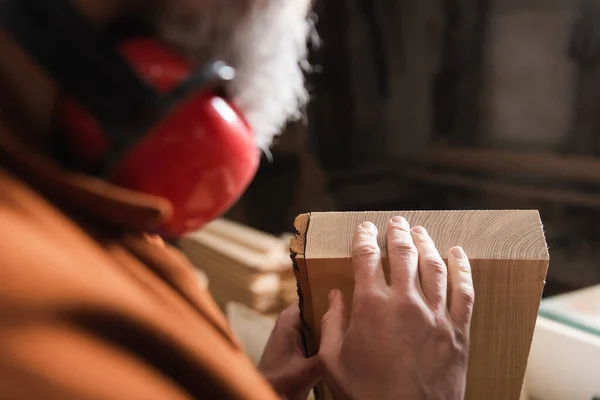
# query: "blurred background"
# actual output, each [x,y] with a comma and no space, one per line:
[449,104]
[440,104]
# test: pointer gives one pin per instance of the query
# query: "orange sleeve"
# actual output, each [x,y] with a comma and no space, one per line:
[78,323]
[63,339]
[51,361]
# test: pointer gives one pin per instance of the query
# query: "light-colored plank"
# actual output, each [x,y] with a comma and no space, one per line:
[509,257]
[251,327]
[246,236]
[242,244]
[276,260]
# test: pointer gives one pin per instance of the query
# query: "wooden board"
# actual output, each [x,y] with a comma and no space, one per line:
[254,252]
[509,258]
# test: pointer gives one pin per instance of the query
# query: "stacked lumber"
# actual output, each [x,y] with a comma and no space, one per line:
[243,265]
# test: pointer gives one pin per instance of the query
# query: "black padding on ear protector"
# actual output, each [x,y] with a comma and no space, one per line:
[68,47]
[128,27]
[210,78]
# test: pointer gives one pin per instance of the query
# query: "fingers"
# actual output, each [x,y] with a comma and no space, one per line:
[462,293]
[286,335]
[366,259]
[403,256]
[302,376]
[433,273]
[332,324]
[290,317]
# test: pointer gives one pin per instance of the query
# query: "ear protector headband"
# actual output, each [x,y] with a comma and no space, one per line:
[138,115]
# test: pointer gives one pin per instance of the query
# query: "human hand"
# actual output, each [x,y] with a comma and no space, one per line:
[283,363]
[406,340]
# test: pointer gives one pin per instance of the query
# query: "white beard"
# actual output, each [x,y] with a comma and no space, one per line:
[264,40]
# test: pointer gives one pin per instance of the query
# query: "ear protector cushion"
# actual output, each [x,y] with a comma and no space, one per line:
[200,155]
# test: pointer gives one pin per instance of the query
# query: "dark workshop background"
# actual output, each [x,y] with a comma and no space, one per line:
[449,104]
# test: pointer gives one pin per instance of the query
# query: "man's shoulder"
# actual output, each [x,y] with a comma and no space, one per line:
[70,299]
[48,258]
[45,255]
[33,229]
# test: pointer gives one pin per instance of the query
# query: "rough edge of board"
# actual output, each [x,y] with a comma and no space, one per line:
[297,251]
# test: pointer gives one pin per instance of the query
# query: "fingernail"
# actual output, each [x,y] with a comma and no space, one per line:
[369,227]
[419,230]
[332,296]
[401,221]
[458,252]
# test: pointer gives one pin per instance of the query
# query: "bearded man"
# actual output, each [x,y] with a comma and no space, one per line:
[123,122]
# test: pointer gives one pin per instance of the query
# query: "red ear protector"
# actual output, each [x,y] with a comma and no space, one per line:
[138,115]
[200,155]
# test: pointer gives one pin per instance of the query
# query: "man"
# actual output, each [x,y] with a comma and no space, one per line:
[93,304]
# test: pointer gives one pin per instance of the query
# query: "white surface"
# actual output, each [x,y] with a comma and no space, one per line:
[564,363]
[252,328]
[580,308]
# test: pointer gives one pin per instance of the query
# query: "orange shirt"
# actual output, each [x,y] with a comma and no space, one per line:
[91,307]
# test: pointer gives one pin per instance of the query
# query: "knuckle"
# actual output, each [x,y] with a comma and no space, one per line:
[327,317]
[462,355]
[458,343]
[366,250]
[413,307]
[436,297]
[464,267]
[446,333]
[374,298]
[462,337]
[436,265]
[459,351]
[402,247]
[369,302]
[444,330]
[466,295]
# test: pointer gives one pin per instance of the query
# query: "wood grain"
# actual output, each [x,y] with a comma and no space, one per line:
[297,248]
[509,257]
[253,239]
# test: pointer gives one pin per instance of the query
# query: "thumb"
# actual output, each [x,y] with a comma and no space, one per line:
[332,324]
[304,375]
